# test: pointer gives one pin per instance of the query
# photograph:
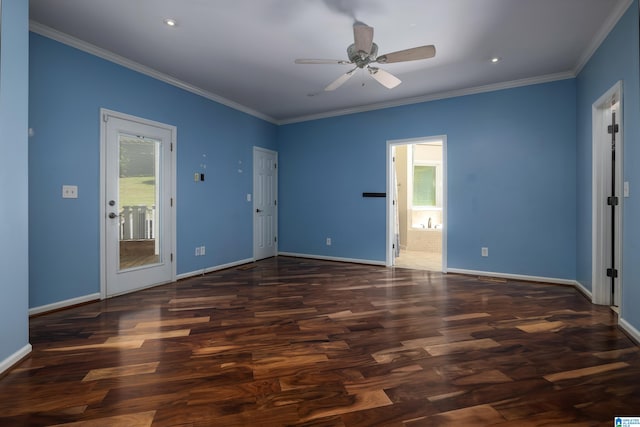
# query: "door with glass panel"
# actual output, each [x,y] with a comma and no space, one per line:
[138,199]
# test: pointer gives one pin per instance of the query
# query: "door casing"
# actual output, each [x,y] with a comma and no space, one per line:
[601,170]
[390,192]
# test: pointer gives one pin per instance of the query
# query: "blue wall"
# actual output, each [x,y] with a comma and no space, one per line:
[616,59]
[67,89]
[14,268]
[511,179]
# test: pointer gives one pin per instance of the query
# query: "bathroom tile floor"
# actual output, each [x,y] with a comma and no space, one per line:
[419,260]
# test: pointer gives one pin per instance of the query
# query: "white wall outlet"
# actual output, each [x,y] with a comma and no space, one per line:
[328,241]
[248,197]
[202,250]
[69,191]
[484,251]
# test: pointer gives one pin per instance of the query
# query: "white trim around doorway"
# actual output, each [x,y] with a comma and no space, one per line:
[390,192]
[600,231]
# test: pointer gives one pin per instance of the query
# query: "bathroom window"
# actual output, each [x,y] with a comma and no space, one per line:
[424,176]
[424,185]
[427,185]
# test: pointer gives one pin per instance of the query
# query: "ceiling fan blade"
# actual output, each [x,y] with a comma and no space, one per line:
[383,77]
[321,61]
[340,80]
[363,37]
[413,54]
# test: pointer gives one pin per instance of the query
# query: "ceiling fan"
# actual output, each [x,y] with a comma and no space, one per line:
[364,52]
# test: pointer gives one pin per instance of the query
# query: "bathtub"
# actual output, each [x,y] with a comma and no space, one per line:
[424,239]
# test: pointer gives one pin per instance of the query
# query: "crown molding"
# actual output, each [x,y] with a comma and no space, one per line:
[601,35]
[74,42]
[597,40]
[435,97]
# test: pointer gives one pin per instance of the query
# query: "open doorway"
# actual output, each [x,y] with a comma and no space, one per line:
[417,203]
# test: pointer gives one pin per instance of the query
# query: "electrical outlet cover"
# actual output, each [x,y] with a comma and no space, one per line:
[69,191]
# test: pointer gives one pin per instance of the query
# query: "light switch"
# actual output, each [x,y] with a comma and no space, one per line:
[248,197]
[625,189]
[69,191]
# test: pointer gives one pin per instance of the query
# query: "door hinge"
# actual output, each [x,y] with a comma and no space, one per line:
[105,118]
[612,201]
[171,147]
[393,246]
[275,166]
[275,238]
[275,203]
[613,129]
[612,272]
[171,257]
[171,202]
[393,203]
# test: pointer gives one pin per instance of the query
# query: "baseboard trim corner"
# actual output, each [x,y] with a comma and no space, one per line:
[64,304]
[629,329]
[586,292]
[15,358]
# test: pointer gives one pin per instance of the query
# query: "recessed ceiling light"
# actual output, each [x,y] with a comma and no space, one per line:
[495,59]
[170,22]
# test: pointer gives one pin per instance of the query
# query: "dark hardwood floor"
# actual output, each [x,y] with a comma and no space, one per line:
[288,341]
[135,253]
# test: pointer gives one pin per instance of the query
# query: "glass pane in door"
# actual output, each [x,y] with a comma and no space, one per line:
[138,194]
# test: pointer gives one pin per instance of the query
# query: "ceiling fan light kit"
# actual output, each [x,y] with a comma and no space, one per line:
[364,52]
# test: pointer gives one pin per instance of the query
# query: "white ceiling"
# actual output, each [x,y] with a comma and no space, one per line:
[241,52]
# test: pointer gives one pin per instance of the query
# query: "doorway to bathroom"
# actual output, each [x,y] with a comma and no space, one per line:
[416,209]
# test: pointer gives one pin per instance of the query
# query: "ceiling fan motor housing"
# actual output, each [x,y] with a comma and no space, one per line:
[361,58]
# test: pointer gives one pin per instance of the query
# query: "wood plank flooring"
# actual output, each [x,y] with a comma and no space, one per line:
[135,253]
[288,341]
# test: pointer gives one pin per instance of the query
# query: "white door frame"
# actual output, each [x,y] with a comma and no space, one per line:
[601,167]
[390,191]
[103,203]
[255,201]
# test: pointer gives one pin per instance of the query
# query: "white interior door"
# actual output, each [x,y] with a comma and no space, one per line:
[395,239]
[138,225]
[607,240]
[265,203]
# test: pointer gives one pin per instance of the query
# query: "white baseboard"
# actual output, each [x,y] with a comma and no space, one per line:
[629,329]
[331,258]
[14,358]
[584,290]
[212,269]
[64,304]
[515,277]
